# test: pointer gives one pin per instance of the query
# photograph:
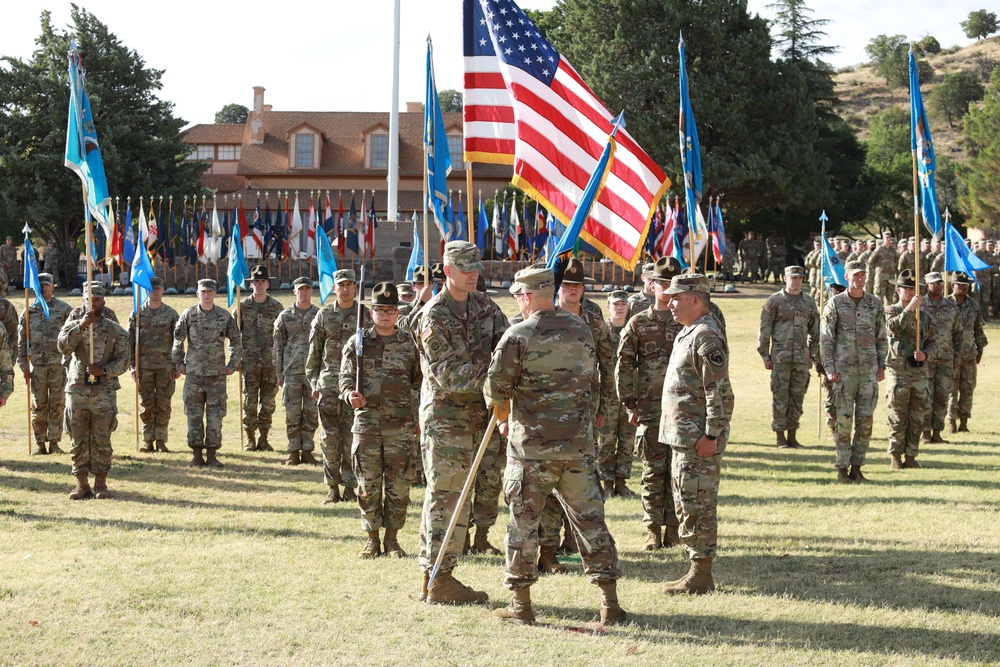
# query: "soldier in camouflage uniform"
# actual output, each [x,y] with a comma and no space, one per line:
[863,258]
[202,328]
[79,312]
[813,267]
[91,404]
[748,258]
[696,410]
[937,260]
[942,314]
[53,261]
[6,367]
[382,451]
[8,259]
[853,348]
[546,368]
[907,257]
[154,370]
[8,322]
[291,347]
[455,334]
[966,364]
[332,326]
[788,342]
[985,277]
[642,358]
[907,390]
[882,263]
[617,437]
[776,257]
[829,399]
[640,301]
[42,365]
[255,316]
[729,261]
[925,254]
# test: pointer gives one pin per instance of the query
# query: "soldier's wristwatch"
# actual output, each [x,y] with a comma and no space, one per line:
[713,438]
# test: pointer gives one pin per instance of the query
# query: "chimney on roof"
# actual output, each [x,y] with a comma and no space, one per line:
[257,131]
[414,107]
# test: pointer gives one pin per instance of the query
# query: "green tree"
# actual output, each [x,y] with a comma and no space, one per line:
[451,100]
[952,96]
[140,137]
[232,113]
[890,58]
[980,24]
[981,177]
[798,36]
[929,45]
[889,167]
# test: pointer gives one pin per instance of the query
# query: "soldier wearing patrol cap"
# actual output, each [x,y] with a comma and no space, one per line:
[333,325]
[788,342]
[153,371]
[644,299]
[696,410]
[79,312]
[406,293]
[382,445]
[255,316]
[455,334]
[544,374]
[617,438]
[291,347]
[943,315]
[642,358]
[882,263]
[966,364]
[202,330]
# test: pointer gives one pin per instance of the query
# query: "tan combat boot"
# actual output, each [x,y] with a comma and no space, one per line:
[333,495]
[621,490]
[857,476]
[548,563]
[307,457]
[896,463]
[294,458]
[349,496]
[963,427]
[161,446]
[843,477]
[196,460]
[210,460]
[519,610]
[446,589]
[390,545]
[926,437]
[482,545]
[611,611]
[251,443]
[910,461]
[147,446]
[671,537]
[54,445]
[372,547]
[793,442]
[39,449]
[82,489]
[101,486]
[782,441]
[262,444]
[423,588]
[654,539]
[936,438]
[697,581]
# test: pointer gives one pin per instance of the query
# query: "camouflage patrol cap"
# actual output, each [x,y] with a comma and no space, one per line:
[618,296]
[665,269]
[574,273]
[96,289]
[344,276]
[157,281]
[259,272]
[302,281]
[688,282]
[905,279]
[406,290]
[855,267]
[383,294]
[463,255]
[933,277]
[795,271]
[207,285]
[46,279]
[887,235]
[529,280]
[647,269]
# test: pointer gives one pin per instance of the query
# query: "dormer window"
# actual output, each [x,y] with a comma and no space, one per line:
[378,150]
[304,150]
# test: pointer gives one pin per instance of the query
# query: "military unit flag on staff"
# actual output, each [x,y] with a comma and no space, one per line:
[326,264]
[923,151]
[141,276]
[237,270]
[697,237]
[831,268]
[958,256]
[716,230]
[83,151]
[31,272]
[537,113]
[436,151]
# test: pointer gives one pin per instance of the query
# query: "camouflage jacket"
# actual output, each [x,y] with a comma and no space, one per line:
[547,367]
[156,336]
[331,327]
[455,354]
[947,327]
[8,321]
[789,329]
[111,352]
[643,357]
[79,312]
[971,323]
[256,325]
[291,340]
[593,316]
[937,263]
[203,332]
[391,374]
[883,262]
[6,365]
[8,254]
[697,397]
[852,337]
[44,334]
[906,261]
[901,333]
[639,302]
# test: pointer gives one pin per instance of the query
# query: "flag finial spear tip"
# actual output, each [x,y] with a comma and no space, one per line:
[26,229]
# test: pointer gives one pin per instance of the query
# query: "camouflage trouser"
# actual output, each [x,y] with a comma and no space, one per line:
[156,387]
[856,396]
[789,383]
[384,467]
[658,500]
[696,497]
[335,421]
[527,485]
[962,387]
[205,406]
[551,523]
[987,296]
[301,413]
[829,403]
[260,383]
[447,461]
[48,400]
[486,492]
[907,401]
[776,268]
[884,291]
[90,421]
[939,379]
[617,438]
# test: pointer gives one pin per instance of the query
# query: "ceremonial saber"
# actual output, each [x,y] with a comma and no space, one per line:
[463,497]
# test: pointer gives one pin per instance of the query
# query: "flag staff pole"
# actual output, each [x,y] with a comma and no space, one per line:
[944,245]
[916,238]
[468,188]
[822,293]
[89,232]
[138,322]
[27,345]
[239,369]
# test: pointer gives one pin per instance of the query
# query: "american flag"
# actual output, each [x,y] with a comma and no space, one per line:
[524,103]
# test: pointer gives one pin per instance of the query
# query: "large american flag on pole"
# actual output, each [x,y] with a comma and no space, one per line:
[526,105]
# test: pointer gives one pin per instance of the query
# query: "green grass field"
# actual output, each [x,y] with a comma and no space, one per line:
[244,566]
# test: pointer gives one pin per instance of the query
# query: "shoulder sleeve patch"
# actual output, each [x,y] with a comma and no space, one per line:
[716,358]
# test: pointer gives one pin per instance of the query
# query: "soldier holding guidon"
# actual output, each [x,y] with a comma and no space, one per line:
[153,371]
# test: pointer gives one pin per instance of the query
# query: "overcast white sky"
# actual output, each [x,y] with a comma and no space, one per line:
[337,55]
